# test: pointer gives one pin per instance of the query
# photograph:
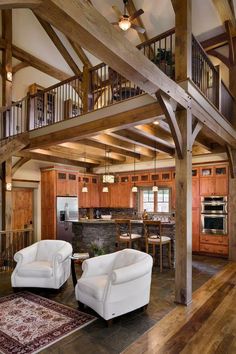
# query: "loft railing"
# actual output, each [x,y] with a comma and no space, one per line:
[102,86]
[204,73]
[12,241]
[160,50]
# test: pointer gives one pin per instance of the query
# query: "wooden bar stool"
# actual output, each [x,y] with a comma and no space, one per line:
[124,233]
[154,237]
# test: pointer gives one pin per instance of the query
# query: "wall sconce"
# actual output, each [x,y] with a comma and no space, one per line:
[9,76]
[8,186]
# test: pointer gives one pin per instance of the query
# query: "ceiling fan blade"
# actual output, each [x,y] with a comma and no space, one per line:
[138,28]
[117,11]
[136,14]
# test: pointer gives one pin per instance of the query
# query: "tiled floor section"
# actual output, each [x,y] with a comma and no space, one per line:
[97,338]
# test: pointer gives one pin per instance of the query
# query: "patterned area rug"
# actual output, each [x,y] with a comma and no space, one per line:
[29,323]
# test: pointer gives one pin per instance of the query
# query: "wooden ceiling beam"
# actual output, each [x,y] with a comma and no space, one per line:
[13,146]
[19,164]
[225,12]
[114,149]
[77,150]
[17,4]
[19,66]
[228,29]
[120,142]
[47,156]
[80,52]
[38,64]
[100,126]
[220,56]
[137,139]
[151,133]
[215,42]
[59,45]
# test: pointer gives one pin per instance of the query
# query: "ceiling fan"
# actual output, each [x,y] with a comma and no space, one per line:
[125,21]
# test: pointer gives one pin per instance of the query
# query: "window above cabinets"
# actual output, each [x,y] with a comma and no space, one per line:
[153,202]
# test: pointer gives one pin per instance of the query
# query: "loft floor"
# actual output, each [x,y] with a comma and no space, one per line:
[97,338]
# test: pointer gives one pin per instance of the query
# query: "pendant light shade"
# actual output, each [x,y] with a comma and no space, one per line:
[134,189]
[84,188]
[105,189]
[155,187]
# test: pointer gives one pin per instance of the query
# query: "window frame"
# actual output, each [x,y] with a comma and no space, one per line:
[155,199]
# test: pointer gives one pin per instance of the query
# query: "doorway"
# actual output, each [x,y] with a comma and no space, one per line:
[22,208]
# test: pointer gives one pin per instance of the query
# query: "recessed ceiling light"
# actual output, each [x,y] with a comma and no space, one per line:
[156,122]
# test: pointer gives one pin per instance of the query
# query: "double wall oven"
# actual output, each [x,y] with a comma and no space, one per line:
[214,215]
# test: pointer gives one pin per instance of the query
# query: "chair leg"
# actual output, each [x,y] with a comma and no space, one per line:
[160,258]
[170,255]
[109,322]
[80,306]
[153,253]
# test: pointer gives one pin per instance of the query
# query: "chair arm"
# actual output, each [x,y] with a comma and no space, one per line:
[63,253]
[132,272]
[27,254]
[98,265]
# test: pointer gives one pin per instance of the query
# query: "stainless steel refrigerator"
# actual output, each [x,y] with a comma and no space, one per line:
[67,212]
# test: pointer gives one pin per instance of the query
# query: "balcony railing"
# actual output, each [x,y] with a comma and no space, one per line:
[102,86]
[12,241]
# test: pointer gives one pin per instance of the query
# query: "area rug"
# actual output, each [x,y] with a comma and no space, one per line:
[30,323]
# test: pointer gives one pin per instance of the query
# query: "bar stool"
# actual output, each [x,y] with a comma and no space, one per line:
[154,237]
[124,233]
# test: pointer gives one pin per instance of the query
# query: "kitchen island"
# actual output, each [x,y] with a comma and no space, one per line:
[104,232]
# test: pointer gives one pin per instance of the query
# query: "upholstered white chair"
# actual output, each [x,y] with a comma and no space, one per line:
[45,264]
[115,283]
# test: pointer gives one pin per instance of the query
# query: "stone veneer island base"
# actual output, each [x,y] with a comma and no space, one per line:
[104,232]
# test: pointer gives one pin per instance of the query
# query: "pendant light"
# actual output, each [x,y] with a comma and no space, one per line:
[105,187]
[84,188]
[155,187]
[134,188]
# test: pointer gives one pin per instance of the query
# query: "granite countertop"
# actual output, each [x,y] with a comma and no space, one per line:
[112,221]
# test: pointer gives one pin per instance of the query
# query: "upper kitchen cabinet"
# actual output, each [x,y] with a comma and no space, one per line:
[214,180]
[66,184]
[89,199]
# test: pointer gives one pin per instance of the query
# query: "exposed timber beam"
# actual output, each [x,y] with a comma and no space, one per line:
[7,57]
[16,4]
[77,151]
[13,146]
[45,156]
[156,131]
[118,150]
[135,138]
[225,12]
[231,161]
[19,66]
[228,29]
[99,126]
[19,163]
[120,142]
[138,21]
[196,130]
[220,56]
[39,64]
[215,42]
[80,52]
[171,119]
[59,45]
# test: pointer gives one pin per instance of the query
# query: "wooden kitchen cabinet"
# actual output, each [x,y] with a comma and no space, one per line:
[89,199]
[214,249]
[66,184]
[195,193]
[214,180]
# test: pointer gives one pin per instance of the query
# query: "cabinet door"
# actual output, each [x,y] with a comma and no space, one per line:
[207,186]
[62,183]
[72,185]
[125,196]
[105,198]
[195,229]
[221,185]
[94,193]
[195,193]
[84,197]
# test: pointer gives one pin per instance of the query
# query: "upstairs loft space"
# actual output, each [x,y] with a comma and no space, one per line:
[101,86]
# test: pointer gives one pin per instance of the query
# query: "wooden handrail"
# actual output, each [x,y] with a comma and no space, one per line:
[157,38]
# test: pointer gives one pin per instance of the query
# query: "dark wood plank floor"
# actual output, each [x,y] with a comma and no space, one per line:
[97,338]
[207,326]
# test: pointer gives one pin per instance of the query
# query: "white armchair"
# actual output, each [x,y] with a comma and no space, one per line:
[116,283]
[45,264]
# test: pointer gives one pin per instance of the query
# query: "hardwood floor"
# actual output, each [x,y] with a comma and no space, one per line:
[207,326]
[97,338]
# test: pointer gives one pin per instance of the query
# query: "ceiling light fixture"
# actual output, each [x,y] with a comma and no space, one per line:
[105,187]
[124,23]
[155,187]
[84,188]
[156,122]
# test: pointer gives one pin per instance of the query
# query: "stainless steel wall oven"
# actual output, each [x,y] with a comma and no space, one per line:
[214,215]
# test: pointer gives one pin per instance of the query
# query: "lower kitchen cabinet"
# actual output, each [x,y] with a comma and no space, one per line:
[214,249]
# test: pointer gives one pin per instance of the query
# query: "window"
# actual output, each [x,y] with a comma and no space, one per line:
[148,200]
[154,202]
[163,200]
